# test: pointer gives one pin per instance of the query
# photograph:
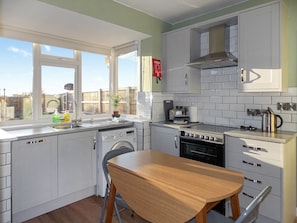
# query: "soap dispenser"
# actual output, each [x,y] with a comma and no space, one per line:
[56,117]
[66,116]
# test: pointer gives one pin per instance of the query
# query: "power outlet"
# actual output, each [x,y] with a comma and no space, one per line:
[253,112]
[286,106]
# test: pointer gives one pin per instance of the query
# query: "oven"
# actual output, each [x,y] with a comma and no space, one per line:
[205,143]
[202,151]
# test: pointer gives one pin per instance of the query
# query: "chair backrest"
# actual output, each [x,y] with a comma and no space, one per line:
[118,150]
[250,214]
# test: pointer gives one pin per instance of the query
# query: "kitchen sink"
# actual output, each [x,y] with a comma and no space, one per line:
[65,126]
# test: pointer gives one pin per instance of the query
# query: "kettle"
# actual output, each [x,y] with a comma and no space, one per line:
[269,121]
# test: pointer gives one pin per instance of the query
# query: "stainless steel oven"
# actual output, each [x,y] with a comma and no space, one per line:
[205,143]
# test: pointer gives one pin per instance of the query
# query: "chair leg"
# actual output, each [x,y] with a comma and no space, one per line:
[104,206]
[117,212]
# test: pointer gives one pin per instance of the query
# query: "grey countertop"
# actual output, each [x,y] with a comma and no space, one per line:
[39,131]
[277,137]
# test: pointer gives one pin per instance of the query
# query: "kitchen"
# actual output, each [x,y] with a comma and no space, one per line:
[225,106]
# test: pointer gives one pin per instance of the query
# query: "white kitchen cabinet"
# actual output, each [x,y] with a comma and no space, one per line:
[178,51]
[266,163]
[165,140]
[34,172]
[76,162]
[262,58]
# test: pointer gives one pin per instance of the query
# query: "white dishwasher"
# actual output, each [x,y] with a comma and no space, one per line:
[108,140]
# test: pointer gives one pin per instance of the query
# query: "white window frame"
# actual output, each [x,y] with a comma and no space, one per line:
[38,60]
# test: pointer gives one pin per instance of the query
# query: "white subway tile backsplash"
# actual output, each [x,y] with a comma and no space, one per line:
[245,100]
[262,100]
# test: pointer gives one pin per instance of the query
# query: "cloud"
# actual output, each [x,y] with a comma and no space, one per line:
[19,51]
[47,48]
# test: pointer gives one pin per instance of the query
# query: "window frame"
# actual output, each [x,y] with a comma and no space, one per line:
[39,59]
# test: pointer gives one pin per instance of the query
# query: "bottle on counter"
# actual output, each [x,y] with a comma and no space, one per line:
[66,116]
[56,117]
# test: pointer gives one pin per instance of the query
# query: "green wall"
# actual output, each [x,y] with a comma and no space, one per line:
[120,15]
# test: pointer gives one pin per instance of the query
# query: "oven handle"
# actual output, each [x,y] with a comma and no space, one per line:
[175,142]
[200,153]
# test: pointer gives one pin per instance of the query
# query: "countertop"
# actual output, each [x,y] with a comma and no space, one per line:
[173,125]
[277,137]
[39,131]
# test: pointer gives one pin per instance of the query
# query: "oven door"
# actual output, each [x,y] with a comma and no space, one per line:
[202,151]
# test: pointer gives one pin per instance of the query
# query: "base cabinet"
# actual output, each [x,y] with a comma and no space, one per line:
[266,164]
[51,172]
[165,140]
[34,172]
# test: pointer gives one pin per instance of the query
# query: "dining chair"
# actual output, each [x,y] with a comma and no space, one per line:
[118,199]
[249,215]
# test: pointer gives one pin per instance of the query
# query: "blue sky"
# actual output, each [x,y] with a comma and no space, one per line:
[16,69]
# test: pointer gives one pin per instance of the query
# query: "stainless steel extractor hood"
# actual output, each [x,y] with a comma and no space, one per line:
[219,55]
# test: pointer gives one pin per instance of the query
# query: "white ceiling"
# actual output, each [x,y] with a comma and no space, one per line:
[174,11]
[40,17]
[44,18]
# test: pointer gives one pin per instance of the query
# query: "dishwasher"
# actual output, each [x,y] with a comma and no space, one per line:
[108,140]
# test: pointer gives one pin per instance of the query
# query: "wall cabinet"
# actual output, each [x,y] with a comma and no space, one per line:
[262,56]
[266,163]
[177,51]
[76,162]
[34,172]
[165,140]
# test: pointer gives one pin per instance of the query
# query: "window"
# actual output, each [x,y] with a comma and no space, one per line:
[95,84]
[16,74]
[127,81]
[63,79]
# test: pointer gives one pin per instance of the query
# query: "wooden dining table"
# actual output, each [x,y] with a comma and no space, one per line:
[163,188]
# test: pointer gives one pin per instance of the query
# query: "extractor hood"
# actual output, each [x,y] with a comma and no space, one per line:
[219,55]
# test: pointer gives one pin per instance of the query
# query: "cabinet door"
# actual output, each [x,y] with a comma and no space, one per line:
[76,162]
[177,48]
[34,172]
[177,51]
[259,50]
[165,140]
[183,80]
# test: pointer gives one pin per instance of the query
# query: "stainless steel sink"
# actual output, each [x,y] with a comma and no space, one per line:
[65,126]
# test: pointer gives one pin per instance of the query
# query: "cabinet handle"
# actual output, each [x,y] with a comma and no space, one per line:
[175,142]
[255,148]
[35,141]
[247,195]
[252,164]
[94,143]
[254,181]
[242,71]
[186,79]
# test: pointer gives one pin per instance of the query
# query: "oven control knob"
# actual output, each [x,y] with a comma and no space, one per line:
[186,134]
[206,137]
[211,138]
[191,135]
[196,135]
[201,136]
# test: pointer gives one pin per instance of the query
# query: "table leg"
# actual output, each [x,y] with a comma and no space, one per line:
[110,203]
[201,216]
[235,206]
